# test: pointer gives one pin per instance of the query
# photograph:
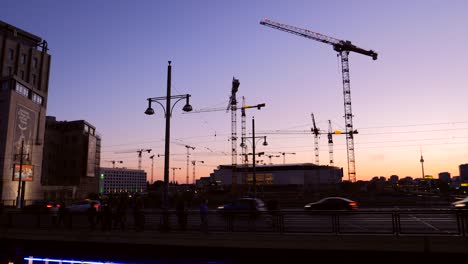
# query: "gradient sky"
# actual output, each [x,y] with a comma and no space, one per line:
[109,56]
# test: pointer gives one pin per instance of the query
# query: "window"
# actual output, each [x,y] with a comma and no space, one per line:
[22,75]
[10,71]
[35,62]
[22,90]
[23,58]
[34,79]
[37,99]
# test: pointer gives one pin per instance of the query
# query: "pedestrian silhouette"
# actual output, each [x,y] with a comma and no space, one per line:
[92,214]
[204,216]
[182,214]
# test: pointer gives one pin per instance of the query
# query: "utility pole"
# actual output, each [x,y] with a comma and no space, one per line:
[152,168]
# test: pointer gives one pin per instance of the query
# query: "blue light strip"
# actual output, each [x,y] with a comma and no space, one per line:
[68,261]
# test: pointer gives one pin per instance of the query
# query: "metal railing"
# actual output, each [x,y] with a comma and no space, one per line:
[381,222]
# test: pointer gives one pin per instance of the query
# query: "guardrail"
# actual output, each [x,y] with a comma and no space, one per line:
[384,222]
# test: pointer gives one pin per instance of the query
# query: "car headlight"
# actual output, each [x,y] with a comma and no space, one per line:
[460,205]
[220,207]
[307,206]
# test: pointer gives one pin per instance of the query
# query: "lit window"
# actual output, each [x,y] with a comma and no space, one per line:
[37,99]
[22,90]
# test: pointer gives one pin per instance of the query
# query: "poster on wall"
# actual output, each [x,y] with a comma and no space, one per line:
[24,131]
[26,173]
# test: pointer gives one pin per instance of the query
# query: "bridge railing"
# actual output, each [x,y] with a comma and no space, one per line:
[385,222]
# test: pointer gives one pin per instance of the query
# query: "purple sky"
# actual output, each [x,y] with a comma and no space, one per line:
[109,56]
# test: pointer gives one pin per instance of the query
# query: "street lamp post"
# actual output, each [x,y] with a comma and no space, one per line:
[254,139]
[167,113]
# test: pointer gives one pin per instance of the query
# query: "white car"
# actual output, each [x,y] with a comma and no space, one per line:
[83,206]
[462,204]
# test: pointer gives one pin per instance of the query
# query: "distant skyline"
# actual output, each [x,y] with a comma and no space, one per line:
[108,57]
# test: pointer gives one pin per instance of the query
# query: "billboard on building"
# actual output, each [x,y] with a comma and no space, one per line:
[26,172]
[24,132]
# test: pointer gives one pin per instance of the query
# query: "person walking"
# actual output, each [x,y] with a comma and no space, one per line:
[92,214]
[204,216]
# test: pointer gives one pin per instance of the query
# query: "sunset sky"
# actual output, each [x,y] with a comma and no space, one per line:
[109,56]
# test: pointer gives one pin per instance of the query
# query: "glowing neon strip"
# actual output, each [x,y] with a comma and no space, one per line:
[68,261]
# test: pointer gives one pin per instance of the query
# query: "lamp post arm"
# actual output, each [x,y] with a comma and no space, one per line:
[172,108]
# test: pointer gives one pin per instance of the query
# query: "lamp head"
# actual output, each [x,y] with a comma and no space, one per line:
[149,110]
[187,106]
[265,143]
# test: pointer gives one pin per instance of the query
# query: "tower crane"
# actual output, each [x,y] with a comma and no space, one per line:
[316,133]
[193,163]
[343,47]
[284,155]
[188,156]
[139,156]
[232,105]
[115,161]
[139,151]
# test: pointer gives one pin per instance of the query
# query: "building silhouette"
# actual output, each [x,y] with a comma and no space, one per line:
[24,85]
[72,155]
[464,172]
[444,177]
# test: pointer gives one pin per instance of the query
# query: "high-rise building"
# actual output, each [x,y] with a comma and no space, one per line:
[464,172]
[72,155]
[24,85]
[444,177]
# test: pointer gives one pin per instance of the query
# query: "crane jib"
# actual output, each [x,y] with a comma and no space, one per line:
[347,46]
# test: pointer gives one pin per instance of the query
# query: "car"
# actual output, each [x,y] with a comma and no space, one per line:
[333,203]
[243,205]
[83,206]
[42,206]
[461,204]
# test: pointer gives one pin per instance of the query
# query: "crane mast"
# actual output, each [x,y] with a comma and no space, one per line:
[316,133]
[343,47]
[233,106]
[330,142]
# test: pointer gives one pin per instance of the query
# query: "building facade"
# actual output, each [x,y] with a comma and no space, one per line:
[72,155]
[24,81]
[464,172]
[117,180]
[308,175]
[444,177]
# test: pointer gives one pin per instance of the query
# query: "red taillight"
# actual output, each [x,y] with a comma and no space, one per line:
[57,205]
[96,206]
[353,204]
[49,206]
